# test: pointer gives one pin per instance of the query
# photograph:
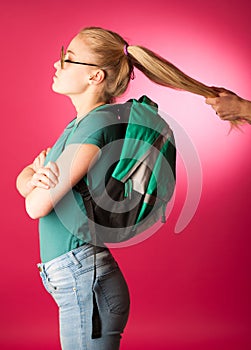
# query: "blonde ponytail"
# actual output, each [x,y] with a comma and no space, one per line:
[117,58]
[165,73]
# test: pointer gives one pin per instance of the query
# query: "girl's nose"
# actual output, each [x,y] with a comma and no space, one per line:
[57,64]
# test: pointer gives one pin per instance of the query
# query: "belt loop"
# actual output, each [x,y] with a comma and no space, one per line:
[74,259]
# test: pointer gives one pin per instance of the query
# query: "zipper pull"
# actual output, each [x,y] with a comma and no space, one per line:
[128,189]
[163,216]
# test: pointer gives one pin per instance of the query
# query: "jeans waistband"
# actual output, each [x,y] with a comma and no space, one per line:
[75,256]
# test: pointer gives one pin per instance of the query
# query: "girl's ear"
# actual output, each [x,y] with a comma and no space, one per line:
[97,77]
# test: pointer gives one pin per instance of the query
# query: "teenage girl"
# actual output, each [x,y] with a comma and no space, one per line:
[95,69]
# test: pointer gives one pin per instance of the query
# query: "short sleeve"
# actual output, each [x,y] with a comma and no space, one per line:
[92,129]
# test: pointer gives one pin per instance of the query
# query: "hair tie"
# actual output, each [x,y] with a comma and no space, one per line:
[132,75]
[125,50]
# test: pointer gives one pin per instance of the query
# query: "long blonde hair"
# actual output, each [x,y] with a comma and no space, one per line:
[117,59]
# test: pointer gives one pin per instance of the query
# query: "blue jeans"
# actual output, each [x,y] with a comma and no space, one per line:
[69,279]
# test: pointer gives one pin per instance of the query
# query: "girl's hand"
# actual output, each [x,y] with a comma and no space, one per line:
[45,176]
[39,160]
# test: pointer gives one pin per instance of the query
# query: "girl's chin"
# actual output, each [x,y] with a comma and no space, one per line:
[55,88]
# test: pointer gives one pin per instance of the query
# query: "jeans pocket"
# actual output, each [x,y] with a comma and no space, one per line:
[61,286]
[112,292]
[64,297]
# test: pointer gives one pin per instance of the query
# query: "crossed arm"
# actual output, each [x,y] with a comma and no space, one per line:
[43,186]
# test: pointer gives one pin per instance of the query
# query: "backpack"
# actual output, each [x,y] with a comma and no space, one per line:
[142,180]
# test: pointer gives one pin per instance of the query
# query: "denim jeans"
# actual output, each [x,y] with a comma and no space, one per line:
[69,279]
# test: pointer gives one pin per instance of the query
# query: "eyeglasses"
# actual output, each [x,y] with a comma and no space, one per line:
[63,60]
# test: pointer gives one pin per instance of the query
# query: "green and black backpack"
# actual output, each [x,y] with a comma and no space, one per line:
[142,180]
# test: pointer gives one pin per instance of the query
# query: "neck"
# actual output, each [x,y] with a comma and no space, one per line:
[84,105]
[82,112]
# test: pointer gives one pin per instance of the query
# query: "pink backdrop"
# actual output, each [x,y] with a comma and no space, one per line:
[189,290]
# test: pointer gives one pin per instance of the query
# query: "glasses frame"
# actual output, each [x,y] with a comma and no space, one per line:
[63,60]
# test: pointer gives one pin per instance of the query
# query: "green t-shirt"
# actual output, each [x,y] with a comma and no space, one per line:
[66,226]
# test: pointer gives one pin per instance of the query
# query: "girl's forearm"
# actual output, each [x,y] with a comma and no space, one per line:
[23,183]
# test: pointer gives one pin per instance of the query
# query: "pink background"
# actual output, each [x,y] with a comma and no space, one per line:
[189,290]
